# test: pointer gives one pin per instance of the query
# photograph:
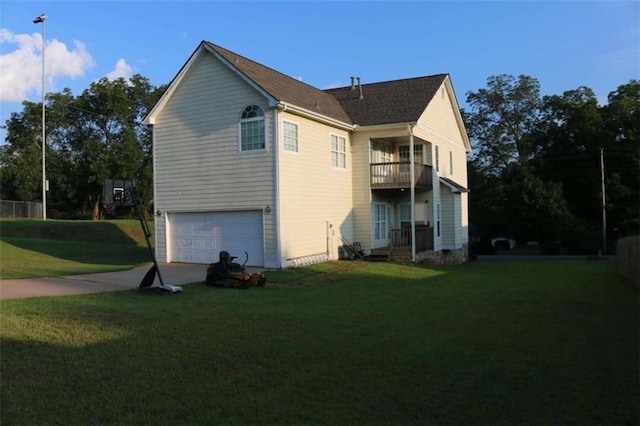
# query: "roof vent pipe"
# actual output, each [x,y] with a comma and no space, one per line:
[353,83]
[360,87]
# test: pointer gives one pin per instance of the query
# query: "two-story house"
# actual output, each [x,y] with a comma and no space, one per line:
[249,159]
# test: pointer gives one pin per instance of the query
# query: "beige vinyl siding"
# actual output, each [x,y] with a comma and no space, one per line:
[312,191]
[439,126]
[196,150]
[361,189]
[462,232]
[448,218]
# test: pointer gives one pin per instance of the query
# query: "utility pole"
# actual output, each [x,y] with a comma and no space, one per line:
[604,204]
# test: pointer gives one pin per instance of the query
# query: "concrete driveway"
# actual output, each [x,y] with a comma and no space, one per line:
[172,274]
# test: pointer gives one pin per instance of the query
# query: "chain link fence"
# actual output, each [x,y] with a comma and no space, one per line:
[20,210]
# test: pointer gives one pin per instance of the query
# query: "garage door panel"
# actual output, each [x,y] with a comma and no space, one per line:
[199,237]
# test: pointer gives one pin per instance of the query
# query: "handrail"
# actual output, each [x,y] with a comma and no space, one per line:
[397,174]
[401,238]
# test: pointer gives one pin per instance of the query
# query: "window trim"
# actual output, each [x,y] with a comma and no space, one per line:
[284,139]
[331,151]
[262,118]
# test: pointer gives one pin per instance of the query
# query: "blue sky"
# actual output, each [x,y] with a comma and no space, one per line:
[563,44]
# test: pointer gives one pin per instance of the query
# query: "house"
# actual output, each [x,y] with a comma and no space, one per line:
[247,159]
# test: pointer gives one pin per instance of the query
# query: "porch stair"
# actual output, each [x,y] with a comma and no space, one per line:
[377,258]
[389,254]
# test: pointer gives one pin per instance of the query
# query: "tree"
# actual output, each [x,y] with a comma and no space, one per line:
[621,118]
[90,138]
[500,119]
[22,156]
[567,150]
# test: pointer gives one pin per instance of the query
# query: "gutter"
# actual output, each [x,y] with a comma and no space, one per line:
[384,126]
[283,106]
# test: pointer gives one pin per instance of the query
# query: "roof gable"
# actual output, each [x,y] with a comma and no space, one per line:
[283,87]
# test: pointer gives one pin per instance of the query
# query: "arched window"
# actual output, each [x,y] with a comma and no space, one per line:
[252,135]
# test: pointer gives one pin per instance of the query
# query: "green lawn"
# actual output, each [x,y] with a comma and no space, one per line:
[526,342]
[31,248]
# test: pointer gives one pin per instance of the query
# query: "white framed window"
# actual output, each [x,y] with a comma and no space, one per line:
[252,129]
[451,163]
[380,222]
[404,211]
[290,136]
[437,159]
[381,152]
[338,152]
[418,153]
[438,220]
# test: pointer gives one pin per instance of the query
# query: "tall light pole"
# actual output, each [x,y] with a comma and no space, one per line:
[38,20]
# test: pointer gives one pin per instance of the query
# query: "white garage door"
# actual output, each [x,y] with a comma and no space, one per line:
[200,237]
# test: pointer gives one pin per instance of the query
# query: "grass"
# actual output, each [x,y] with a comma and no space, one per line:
[30,248]
[526,342]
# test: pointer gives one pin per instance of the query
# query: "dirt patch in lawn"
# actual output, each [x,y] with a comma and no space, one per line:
[329,276]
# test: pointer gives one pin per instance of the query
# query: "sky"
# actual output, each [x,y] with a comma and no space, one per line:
[564,45]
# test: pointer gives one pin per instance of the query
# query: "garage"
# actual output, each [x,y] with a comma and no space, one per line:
[199,237]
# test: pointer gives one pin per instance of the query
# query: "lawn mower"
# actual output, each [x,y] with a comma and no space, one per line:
[229,274]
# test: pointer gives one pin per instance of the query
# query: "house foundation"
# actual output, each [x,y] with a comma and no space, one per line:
[444,257]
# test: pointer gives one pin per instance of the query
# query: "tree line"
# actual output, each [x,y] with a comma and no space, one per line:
[534,172]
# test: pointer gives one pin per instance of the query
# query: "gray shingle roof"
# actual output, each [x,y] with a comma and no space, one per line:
[398,101]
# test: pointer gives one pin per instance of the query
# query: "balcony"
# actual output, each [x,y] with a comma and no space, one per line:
[397,175]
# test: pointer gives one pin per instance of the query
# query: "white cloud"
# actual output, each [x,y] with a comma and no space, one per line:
[122,69]
[22,68]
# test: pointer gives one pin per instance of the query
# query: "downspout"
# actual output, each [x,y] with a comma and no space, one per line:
[276,150]
[413,195]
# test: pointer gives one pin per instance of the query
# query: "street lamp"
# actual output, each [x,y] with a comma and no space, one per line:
[38,20]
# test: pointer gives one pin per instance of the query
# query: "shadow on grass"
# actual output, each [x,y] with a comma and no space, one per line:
[377,344]
[37,248]
[73,251]
[126,232]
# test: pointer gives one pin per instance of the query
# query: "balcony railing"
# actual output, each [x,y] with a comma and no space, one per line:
[397,174]
[401,238]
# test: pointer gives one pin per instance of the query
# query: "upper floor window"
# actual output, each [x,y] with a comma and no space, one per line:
[437,159]
[418,156]
[252,134]
[290,136]
[451,162]
[381,152]
[338,152]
